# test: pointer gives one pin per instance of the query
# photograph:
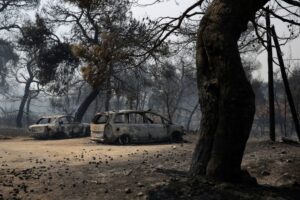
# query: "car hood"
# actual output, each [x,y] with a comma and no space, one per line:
[39,125]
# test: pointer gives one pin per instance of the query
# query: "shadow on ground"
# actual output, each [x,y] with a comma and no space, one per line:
[201,188]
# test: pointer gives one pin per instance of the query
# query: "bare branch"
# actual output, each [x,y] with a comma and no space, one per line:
[292,2]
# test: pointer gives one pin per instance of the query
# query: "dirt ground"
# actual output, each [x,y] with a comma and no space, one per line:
[80,169]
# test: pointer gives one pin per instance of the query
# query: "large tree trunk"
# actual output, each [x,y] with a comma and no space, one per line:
[226,97]
[85,104]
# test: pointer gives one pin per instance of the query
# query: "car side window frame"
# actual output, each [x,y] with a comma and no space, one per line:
[125,118]
[140,115]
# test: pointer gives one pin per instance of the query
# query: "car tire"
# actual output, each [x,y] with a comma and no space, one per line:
[176,137]
[124,140]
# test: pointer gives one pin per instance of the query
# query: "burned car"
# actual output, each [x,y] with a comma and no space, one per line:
[55,127]
[124,127]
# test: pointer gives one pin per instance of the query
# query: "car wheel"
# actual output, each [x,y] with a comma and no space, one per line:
[123,140]
[176,137]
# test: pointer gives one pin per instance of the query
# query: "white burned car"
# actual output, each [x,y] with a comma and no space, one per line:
[61,126]
[131,126]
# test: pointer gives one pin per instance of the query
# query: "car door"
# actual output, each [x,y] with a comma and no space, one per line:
[137,127]
[64,126]
[156,129]
[76,128]
[98,125]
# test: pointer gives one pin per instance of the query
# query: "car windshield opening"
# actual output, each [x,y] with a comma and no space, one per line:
[45,121]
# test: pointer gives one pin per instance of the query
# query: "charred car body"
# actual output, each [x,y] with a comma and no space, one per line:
[131,126]
[55,127]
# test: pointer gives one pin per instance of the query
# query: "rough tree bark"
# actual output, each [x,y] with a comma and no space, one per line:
[226,96]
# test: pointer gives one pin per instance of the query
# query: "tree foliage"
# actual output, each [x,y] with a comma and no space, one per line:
[9,8]
[48,52]
[110,38]
[7,54]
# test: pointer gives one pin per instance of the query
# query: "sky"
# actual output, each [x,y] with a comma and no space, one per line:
[174,8]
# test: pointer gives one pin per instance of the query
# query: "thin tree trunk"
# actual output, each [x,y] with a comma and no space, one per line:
[118,102]
[107,100]
[129,103]
[226,96]
[143,102]
[279,116]
[286,84]
[168,106]
[108,95]
[270,78]
[85,104]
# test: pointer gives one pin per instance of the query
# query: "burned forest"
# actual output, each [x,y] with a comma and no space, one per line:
[150,99]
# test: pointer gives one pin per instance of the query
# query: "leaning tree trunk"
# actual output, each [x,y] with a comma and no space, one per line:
[107,100]
[85,104]
[226,97]
[20,114]
[28,111]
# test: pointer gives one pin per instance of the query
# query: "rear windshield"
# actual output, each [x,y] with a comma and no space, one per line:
[100,119]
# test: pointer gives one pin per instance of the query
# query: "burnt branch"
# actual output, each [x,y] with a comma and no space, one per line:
[165,32]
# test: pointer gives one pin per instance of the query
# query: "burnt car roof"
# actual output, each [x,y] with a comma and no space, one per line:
[126,111]
[130,111]
[56,116]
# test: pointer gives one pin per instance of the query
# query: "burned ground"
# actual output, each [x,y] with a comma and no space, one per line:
[80,169]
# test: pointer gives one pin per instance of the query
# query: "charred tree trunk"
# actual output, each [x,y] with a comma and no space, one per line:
[270,78]
[226,96]
[286,84]
[108,94]
[28,111]
[25,97]
[85,104]
[107,100]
